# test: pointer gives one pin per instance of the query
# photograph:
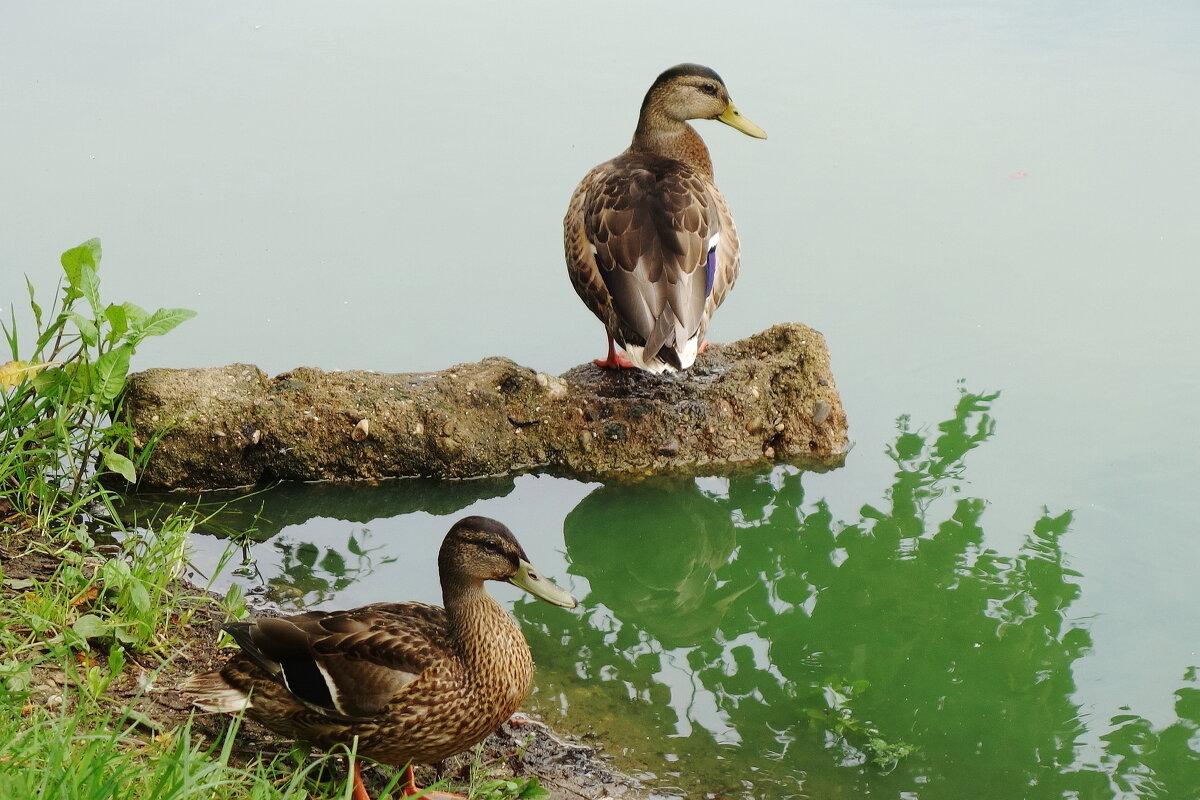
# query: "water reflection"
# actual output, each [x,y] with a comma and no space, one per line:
[308,575]
[264,514]
[664,582]
[737,636]
[734,618]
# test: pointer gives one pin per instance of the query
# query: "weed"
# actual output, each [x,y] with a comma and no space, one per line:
[59,423]
[526,788]
[485,787]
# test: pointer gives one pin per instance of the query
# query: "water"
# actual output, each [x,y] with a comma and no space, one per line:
[971,198]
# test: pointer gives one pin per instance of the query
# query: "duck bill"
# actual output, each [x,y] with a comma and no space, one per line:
[733,118]
[531,580]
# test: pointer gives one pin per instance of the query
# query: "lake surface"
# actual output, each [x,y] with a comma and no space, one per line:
[988,209]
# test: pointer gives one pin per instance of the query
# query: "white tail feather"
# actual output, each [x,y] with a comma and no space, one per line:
[211,693]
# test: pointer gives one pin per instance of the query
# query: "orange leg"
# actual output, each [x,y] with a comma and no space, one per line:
[410,782]
[360,791]
[410,789]
[615,360]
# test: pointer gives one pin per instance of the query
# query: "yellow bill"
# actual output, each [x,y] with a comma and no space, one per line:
[543,588]
[733,118]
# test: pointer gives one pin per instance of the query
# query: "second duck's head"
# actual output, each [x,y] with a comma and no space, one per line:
[479,549]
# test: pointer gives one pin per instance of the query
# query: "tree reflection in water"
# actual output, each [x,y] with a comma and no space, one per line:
[308,575]
[719,625]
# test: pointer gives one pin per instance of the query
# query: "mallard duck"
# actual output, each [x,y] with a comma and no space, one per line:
[415,683]
[651,246]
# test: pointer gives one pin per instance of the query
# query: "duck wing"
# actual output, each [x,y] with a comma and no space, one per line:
[347,664]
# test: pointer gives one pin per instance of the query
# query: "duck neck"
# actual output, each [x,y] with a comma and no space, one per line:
[484,635]
[659,135]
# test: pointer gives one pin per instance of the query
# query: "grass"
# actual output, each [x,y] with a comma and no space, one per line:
[83,756]
[106,609]
[66,641]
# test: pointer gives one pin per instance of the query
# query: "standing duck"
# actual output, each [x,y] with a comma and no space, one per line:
[650,243]
[414,683]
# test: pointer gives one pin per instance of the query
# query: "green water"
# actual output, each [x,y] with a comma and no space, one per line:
[737,640]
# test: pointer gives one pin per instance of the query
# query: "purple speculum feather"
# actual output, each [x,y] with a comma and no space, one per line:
[710,271]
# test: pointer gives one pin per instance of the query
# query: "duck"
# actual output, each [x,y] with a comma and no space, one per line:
[650,243]
[414,683]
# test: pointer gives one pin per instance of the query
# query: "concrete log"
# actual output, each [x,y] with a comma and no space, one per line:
[770,397]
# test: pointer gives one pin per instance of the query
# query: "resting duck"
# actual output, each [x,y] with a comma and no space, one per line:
[415,683]
[651,246]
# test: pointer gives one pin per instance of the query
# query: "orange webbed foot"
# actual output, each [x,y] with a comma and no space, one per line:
[616,359]
[410,789]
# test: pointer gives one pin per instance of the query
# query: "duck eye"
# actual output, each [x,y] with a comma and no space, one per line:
[708,88]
